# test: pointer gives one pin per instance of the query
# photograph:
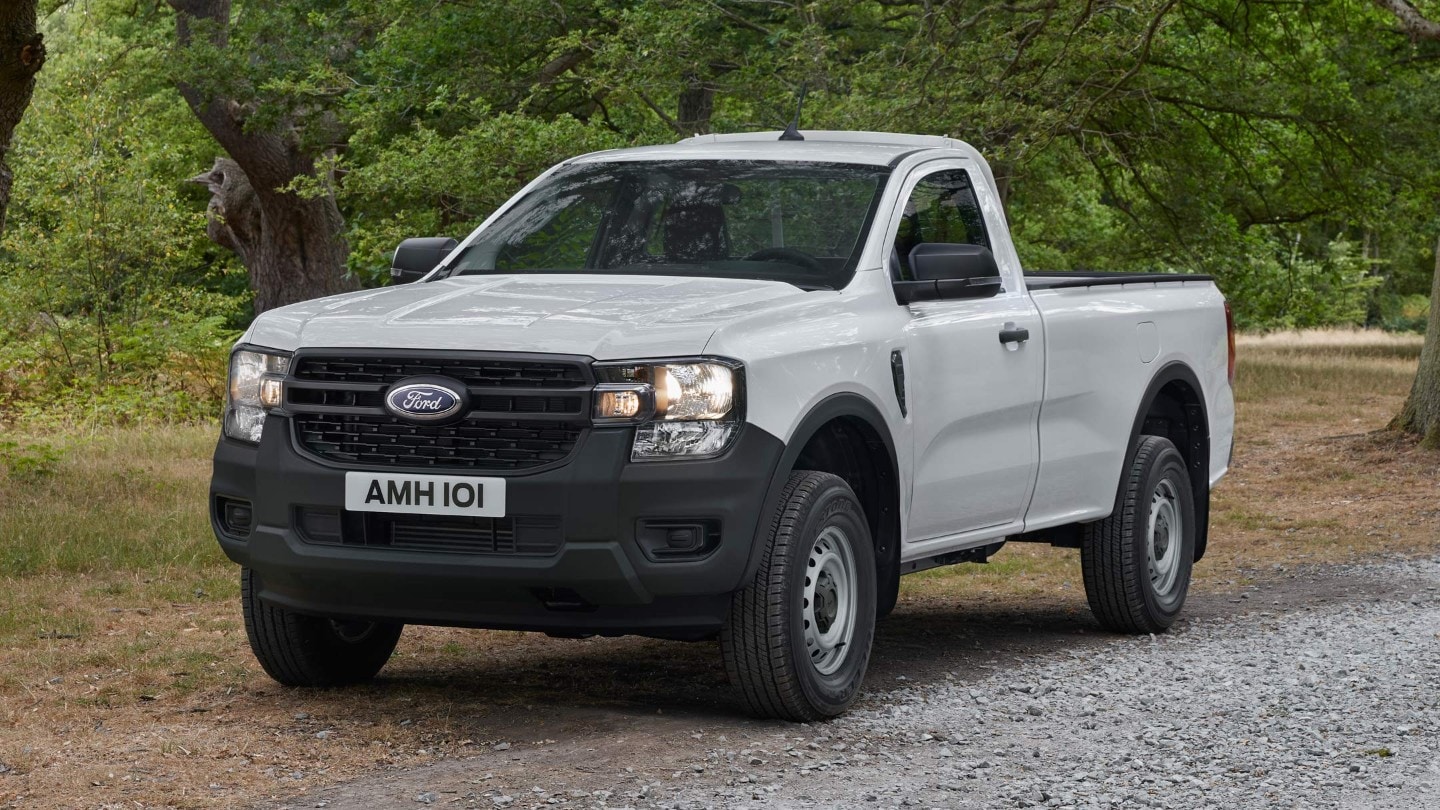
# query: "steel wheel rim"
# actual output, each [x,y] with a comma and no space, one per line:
[1164,539]
[829,601]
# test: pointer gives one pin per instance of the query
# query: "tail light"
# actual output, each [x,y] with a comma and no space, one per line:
[1230,340]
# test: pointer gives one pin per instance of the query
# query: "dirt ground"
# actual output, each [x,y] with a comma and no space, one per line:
[137,693]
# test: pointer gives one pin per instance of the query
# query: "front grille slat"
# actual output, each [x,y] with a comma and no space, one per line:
[472,444]
[477,373]
[524,413]
[516,535]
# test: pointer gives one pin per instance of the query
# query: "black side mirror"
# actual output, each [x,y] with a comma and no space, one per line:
[947,271]
[417,257]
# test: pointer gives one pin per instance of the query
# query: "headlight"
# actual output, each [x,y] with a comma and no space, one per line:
[256,385]
[684,410]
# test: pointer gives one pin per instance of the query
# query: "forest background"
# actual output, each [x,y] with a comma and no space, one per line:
[1289,148]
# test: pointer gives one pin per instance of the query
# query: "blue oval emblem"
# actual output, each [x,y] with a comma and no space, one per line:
[423,402]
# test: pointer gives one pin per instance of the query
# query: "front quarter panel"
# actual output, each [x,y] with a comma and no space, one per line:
[826,344]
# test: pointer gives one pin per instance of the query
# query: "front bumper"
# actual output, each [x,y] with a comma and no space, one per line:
[599,581]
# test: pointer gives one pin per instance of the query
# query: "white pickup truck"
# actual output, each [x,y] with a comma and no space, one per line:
[734,387]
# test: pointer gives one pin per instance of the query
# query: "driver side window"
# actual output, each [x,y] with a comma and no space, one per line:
[942,208]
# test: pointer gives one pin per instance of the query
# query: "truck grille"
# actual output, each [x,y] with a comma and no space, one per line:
[473,443]
[476,372]
[522,536]
[515,535]
[524,413]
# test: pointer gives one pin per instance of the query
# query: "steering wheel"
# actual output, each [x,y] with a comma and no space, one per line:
[788,255]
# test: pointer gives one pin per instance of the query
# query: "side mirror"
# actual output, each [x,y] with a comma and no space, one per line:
[417,257]
[947,271]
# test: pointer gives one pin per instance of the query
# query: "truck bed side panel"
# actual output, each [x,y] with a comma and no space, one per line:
[1104,345]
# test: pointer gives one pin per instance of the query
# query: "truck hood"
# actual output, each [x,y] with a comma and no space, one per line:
[605,317]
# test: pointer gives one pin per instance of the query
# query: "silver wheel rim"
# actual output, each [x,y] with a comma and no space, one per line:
[1165,538]
[829,601]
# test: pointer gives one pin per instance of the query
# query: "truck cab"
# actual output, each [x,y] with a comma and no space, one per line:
[733,387]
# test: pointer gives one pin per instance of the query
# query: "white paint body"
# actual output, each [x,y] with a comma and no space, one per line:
[998,438]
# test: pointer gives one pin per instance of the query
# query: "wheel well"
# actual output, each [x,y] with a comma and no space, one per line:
[849,447]
[1177,413]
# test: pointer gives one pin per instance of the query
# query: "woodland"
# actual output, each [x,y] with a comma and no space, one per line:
[170,168]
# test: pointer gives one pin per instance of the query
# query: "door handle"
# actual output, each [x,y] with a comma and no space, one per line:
[1013,334]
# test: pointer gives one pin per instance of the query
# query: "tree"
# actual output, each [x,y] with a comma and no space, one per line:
[1421,414]
[22,54]
[292,244]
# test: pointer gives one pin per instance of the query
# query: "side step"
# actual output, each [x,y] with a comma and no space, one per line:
[978,554]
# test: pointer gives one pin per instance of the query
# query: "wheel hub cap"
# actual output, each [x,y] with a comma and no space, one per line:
[1165,537]
[829,600]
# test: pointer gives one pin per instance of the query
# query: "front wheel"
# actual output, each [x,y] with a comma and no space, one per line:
[1137,561]
[300,650]
[797,640]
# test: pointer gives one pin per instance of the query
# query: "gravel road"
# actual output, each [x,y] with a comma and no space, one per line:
[1331,705]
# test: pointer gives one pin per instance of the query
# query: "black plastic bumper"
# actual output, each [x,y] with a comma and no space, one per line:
[609,585]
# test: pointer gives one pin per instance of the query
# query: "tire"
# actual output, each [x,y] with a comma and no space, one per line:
[785,640]
[300,650]
[1137,571]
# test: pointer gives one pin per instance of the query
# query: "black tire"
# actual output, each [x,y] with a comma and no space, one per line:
[764,639]
[300,650]
[1125,591]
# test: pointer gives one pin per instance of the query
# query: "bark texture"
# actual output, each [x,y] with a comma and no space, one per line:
[22,54]
[696,105]
[1421,414]
[1411,20]
[293,247]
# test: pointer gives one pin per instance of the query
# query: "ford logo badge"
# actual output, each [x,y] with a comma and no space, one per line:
[424,401]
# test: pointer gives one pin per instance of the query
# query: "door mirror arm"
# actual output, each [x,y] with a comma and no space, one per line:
[952,289]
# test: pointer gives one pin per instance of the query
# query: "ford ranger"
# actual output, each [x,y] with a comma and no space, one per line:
[729,388]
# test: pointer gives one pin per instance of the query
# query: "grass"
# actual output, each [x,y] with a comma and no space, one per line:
[108,501]
[125,677]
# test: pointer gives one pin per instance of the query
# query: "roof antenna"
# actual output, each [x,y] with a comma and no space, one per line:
[792,132]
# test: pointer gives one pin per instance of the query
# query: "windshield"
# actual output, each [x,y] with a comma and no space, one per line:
[800,223]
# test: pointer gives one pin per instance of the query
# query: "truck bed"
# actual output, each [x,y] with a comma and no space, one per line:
[1108,335]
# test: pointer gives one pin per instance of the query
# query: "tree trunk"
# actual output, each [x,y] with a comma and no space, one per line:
[697,104]
[293,246]
[1421,414]
[22,54]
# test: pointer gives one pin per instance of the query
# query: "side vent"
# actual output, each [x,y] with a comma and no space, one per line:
[897,372]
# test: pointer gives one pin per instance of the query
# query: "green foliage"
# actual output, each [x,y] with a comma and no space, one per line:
[112,301]
[1275,286]
[27,462]
[426,183]
[1287,148]
[1404,313]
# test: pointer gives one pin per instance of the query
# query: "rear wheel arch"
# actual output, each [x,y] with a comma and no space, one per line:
[1173,407]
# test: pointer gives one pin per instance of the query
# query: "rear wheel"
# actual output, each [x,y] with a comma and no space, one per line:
[300,650]
[1137,561]
[797,640]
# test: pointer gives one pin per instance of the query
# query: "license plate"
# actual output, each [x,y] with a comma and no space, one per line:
[425,494]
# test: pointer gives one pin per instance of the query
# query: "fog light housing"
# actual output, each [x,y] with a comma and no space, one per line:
[236,517]
[666,540]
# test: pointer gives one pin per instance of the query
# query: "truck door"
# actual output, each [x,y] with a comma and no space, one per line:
[975,377]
